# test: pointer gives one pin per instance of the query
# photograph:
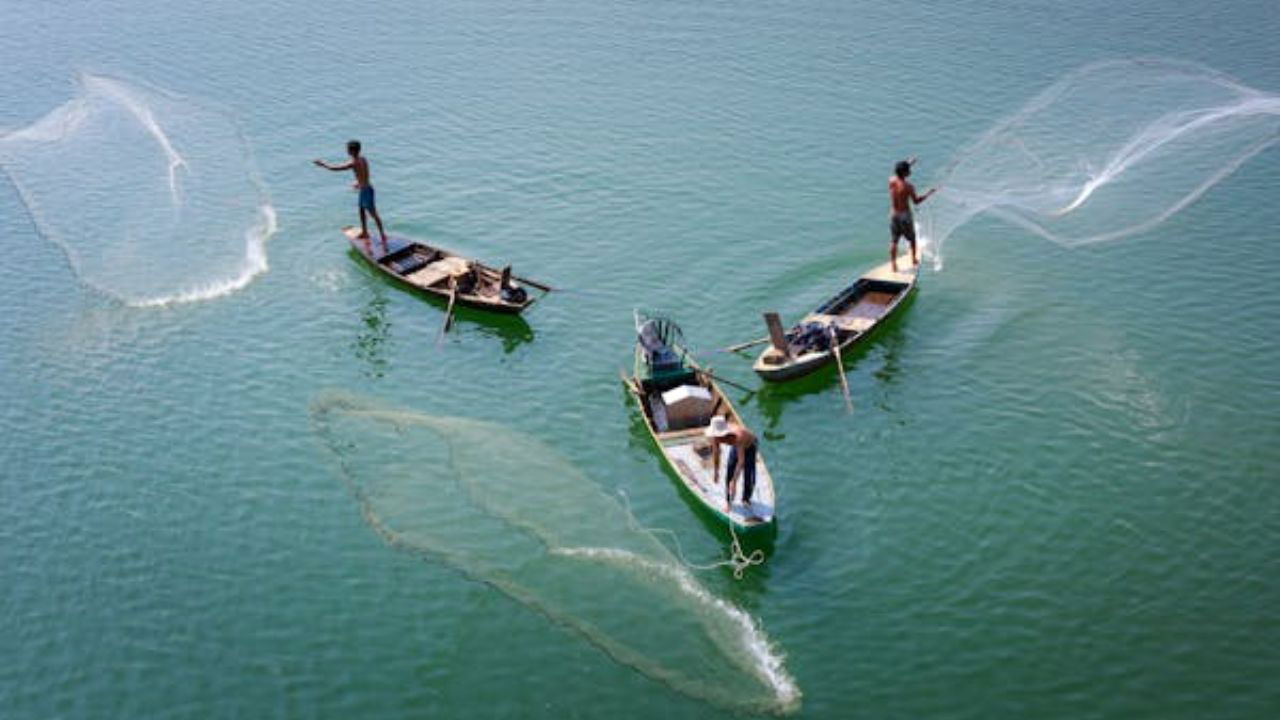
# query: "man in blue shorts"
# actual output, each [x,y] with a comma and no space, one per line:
[359,166]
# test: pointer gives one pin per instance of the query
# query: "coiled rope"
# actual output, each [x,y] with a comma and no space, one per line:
[738,559]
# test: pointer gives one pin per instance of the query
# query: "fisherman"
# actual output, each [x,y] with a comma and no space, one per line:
[742,446]
[359,166]
[901,223]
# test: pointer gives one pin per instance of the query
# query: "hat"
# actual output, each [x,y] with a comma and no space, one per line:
[718,428]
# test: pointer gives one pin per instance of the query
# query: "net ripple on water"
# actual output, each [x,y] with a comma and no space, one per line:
[153,198]
[1111,150]
[505,510]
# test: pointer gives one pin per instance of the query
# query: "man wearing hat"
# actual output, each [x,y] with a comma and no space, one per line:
[742,445]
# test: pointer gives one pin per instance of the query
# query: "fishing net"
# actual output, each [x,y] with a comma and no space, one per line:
[1110,150]
[505,510]
[153,197]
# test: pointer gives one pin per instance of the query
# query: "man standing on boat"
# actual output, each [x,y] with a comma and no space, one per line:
[742,457]
[901,223]
[359,166]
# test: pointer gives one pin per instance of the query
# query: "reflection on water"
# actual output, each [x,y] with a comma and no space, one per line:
[512,330]
[375,332]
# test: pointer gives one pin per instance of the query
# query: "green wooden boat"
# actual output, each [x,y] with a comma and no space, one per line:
[678,399]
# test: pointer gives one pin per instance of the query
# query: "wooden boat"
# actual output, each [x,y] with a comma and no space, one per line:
[434,271]
[665,372]
[852,314]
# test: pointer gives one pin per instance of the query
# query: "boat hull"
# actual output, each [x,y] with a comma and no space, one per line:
[855,313]
[685,453]
[431,284]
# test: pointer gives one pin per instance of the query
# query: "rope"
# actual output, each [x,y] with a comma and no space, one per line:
[738,560]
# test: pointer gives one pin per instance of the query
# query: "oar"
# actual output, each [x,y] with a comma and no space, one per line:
[708,373]
[575,291]
[730,383]
[743,346]
[448,314]
[844,382]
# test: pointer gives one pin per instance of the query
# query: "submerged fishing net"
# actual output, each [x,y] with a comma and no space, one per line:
[505,510]
[153,197]
[1110,150]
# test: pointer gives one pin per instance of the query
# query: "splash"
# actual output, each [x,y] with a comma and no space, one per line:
[152,197]
[505,510]
[1111,150]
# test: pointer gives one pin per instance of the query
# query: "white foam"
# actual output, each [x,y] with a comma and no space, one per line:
[137,105]
[152,197]
[766,662]
[54,126]
[255,264]
[1109,151]
[521,519]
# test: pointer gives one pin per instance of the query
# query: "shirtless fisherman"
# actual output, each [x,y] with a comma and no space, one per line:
[901,223]
[359,166]
[742,457]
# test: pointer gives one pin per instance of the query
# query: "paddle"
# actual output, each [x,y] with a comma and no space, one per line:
[448,314]
[844,382]
[743,346]
[707,371]
[730,383]
[574,291]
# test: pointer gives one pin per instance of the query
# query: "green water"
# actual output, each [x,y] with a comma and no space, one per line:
[1055,498]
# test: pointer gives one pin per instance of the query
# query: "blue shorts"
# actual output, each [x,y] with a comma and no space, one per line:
[366,198]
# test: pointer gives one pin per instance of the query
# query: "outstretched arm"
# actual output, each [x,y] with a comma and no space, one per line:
[917,199]
[327,166]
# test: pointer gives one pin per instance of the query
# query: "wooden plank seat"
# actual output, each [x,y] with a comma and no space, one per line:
[687,433]
[432,273]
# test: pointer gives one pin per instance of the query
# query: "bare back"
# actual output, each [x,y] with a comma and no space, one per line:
[738,437]
[901,193]
[743,438]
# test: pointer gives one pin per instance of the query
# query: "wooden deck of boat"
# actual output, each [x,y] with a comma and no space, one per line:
[375,250]
[696,470]
[906,273]
[853,313]
[445,263]
[871,306]
[679,449]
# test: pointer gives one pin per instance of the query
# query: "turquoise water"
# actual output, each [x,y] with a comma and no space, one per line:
[1055,497]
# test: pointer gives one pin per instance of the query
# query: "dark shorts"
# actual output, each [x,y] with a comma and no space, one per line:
[902,225]
[748,471]
[366,198]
